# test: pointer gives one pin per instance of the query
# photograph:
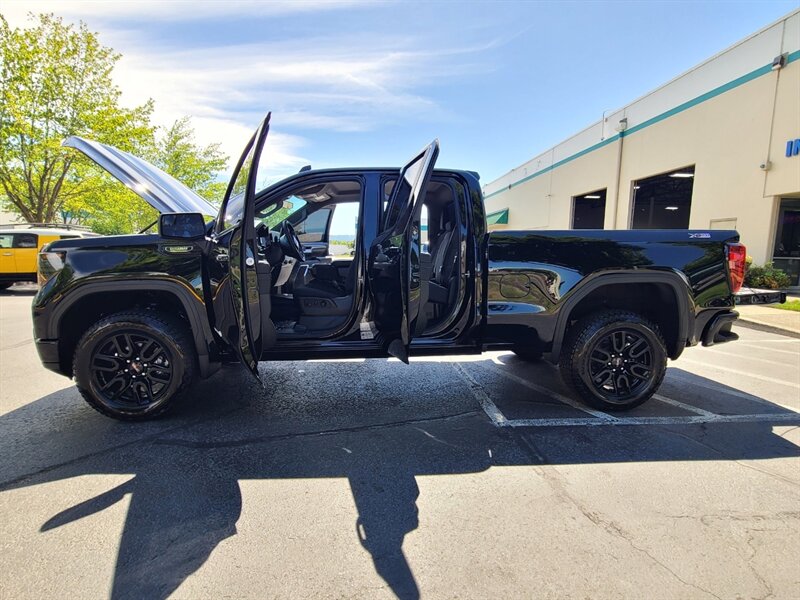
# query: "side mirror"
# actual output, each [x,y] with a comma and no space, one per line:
[184,226]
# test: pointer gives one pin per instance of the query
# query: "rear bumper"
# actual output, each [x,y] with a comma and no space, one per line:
[718,330]
[756,296]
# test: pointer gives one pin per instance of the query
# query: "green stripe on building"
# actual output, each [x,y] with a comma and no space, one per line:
[665,115]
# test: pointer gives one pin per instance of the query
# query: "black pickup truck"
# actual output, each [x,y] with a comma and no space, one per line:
[135,319]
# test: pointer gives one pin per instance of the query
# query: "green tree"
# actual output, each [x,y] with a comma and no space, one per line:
[55,81]
[197,167]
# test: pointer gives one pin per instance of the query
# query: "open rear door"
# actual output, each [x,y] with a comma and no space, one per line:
[397,287]
[237,301]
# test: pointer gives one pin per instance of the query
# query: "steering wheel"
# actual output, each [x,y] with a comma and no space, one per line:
[292,245]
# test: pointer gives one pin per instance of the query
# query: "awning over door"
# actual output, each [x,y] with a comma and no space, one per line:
[498,217]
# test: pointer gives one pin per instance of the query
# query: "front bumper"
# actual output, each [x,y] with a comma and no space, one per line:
[48,354]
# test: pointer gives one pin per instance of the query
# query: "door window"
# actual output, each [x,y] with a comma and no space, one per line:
[387,193]
[6,240]
[314,227]
[26,240]
[344,230]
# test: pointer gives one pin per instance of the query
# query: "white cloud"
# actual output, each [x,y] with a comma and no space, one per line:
[163,10]
[336,82]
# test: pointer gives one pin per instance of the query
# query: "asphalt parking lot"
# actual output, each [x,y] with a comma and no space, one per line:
[476,476]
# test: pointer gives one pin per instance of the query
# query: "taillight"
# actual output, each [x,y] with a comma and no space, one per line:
[737,259]
[50,263]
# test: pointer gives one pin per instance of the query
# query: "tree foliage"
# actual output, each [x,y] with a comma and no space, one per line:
[56,81]
[179,155]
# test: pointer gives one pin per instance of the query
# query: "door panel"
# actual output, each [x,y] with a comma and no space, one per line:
[315,250]
[398,287]
[237,306]
[7,263]
[26,249]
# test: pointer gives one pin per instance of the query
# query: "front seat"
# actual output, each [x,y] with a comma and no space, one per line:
[327,282]
[445,253]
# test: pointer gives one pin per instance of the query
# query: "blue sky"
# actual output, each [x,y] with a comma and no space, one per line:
[354,83]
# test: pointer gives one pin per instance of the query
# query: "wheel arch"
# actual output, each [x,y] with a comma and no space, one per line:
[652,290]
[87,303]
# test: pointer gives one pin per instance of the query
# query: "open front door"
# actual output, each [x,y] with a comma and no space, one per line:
[237,305]
[397,282]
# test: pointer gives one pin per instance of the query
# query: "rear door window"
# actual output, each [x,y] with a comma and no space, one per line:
[6,240]
[26,240]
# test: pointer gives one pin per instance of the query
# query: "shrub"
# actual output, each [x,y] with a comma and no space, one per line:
[766,277]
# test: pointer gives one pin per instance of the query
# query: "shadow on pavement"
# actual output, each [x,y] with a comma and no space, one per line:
[185,497]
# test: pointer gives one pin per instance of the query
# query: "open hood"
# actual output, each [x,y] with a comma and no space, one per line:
[161,191]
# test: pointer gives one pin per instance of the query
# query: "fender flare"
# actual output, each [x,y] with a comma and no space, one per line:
[193,306]
[676,281]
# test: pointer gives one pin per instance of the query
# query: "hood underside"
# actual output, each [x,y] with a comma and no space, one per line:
[160,190]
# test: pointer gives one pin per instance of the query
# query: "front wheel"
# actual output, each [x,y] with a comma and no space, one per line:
[134,365]
[616,360]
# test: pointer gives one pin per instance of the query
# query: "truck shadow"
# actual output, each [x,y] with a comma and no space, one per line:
[184,492]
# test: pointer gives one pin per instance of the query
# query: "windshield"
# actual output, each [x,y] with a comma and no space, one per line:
[277,213]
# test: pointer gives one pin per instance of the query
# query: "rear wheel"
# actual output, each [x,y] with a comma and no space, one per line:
[134,365]
[615,360]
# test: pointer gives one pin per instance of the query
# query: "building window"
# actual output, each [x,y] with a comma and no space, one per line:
[589,210]
[663,201]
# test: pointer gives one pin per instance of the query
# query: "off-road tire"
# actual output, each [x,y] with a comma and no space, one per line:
[586,337]
[166,330]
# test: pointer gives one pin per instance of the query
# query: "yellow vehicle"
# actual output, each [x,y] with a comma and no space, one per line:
[20,245]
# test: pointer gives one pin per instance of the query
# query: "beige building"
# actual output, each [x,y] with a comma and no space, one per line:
[715,148]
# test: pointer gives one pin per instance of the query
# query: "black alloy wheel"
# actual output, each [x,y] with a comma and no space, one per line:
[614,359]
[621,364]
[131,370]
[134,365]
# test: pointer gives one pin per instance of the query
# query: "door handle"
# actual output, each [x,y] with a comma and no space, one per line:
[8,254]
[221,258]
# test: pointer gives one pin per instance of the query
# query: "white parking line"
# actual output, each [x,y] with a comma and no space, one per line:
[770,341]
[757,347]
[749,357]
[489,407]
[686,378]
[600,418]
[740,372]
[560,397]
[586,422]
[684,406]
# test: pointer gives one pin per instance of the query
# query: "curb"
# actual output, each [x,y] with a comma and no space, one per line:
[761,326]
